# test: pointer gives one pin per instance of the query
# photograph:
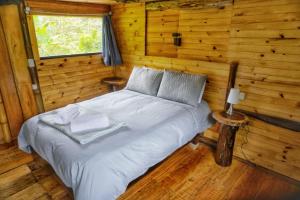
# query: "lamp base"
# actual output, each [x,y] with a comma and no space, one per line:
[230,110]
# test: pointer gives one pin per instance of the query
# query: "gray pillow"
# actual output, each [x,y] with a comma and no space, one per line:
[144,80]
[181,87]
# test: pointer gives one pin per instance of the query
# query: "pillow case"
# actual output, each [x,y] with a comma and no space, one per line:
[144,80]
[181,87]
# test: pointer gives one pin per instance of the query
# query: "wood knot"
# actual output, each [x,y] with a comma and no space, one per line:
[273,50]
[267,41]
[65,60]
[281,36]
[41,64]
[262,55]
[239,14]
[60,65]
[90,62]
[214,48]
[281,95]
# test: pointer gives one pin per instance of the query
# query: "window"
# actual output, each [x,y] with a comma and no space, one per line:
[67,35]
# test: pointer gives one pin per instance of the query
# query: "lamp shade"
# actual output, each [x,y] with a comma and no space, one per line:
[234,96]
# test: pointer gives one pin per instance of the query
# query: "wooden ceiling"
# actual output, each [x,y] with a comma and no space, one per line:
[93,1]
[186,2]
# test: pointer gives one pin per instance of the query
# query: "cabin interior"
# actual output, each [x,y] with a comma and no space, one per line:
[150,99]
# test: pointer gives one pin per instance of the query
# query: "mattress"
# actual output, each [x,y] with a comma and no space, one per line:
[103,168]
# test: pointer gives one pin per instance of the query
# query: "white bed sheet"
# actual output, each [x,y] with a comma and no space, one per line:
[102,169]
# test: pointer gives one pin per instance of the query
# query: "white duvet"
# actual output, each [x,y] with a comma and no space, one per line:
[102,169]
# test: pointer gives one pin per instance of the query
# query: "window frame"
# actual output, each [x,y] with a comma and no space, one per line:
[34,42]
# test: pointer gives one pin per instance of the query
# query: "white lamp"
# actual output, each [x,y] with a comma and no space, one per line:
[233,98]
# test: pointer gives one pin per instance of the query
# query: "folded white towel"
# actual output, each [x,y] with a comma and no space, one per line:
[83,127]
[66,114]
[89,123]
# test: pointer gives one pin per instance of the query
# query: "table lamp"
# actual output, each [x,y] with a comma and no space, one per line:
[233,98]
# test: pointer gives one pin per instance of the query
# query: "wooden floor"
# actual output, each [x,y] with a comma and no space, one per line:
[187,174]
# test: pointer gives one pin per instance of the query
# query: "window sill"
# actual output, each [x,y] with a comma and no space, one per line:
[72,55]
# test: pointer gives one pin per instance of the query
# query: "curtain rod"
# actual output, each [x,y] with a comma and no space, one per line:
[43,12]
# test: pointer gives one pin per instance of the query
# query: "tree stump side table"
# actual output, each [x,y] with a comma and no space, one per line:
[227,131]
[114,82]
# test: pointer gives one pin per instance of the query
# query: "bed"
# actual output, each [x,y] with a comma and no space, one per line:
[102,169]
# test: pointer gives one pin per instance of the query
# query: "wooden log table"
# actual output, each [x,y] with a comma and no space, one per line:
[114,82]
[229,124]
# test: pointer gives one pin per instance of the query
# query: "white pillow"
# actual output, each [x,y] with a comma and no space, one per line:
[182,87]
[144,80]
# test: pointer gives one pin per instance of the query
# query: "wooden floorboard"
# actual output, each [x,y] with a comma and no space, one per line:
[186,175]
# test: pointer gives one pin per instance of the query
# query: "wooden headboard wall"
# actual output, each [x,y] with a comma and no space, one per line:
[218,74]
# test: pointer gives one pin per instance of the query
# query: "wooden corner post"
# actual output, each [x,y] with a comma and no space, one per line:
[231,81]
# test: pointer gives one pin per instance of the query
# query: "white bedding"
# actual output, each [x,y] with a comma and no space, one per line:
[102,169]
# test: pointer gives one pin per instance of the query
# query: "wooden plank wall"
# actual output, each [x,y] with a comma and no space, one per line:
[160,26]
[130,20]
[5,136]
[11,109]
[205,33]
[18,58]
[263,36]
[71,79]
[68,79]
[265,39]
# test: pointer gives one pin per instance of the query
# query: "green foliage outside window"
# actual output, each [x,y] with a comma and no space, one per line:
[68,35]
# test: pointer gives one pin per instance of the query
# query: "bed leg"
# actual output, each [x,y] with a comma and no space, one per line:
[195,143]
[194,146]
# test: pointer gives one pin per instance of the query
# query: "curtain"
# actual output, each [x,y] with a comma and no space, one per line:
[3,2]
[110,51]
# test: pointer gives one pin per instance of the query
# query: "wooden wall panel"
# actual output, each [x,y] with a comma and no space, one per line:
[205,34]
[5,136]
[160,26]
[264,38]
[217,72]
[131,25]
[68,79]
[8,89]
[71,79]
[18,57]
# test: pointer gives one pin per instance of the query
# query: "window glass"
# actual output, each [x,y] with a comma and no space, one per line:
[68,35]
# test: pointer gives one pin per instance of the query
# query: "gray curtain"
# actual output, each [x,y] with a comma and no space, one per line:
[110,51]
[3,2]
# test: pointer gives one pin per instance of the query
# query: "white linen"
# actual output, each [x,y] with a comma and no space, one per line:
[64,115]
[88,123]
[102,169]
[87,126]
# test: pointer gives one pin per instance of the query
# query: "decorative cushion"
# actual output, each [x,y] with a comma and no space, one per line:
[181,87]
[144,80]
